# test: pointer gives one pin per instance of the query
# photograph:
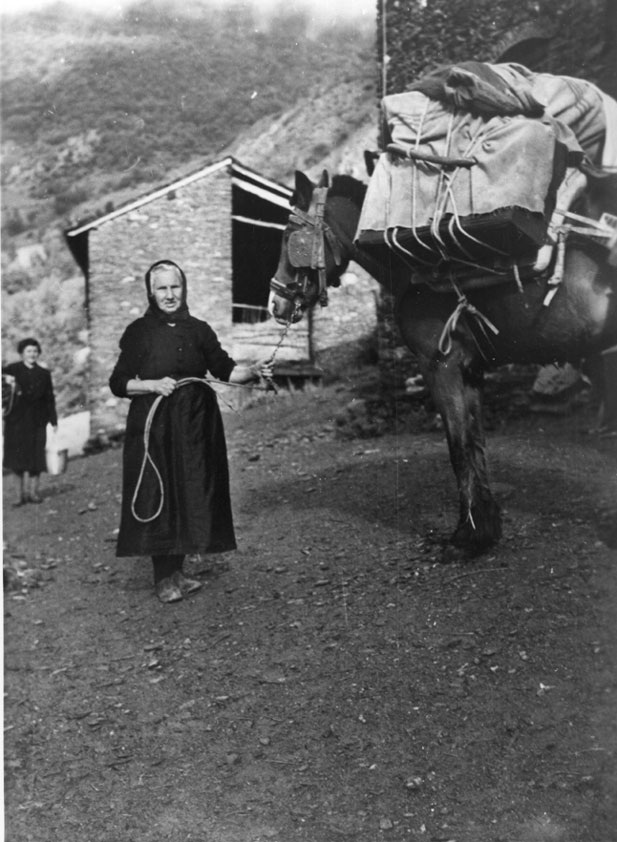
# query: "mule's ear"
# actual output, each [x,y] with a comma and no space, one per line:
[324,181]
[303,192]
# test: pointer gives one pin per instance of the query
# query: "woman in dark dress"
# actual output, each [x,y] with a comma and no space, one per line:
[175,500]
[25,427]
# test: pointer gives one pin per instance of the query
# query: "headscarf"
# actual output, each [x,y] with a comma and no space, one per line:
[153,309]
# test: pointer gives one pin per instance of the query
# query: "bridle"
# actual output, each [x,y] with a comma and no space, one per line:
[306,249]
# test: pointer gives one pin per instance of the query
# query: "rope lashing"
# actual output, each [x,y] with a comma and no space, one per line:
[556,278]
[603,231]
[463,306]
[449,168]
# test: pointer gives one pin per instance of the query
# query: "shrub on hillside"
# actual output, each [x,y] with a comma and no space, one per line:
[65,201]
[17,280]
[13,223]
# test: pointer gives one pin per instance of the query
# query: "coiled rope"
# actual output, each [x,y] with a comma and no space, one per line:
[270,386]
[147,458]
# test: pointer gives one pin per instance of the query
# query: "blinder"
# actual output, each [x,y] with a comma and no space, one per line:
[300,248]
[306,246]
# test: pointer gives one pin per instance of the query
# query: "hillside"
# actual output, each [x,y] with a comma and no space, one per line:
[98,106]
[98,110]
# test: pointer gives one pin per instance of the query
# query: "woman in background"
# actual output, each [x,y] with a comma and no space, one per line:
[25,426]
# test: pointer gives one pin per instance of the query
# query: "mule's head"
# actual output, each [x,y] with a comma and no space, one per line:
[311,257]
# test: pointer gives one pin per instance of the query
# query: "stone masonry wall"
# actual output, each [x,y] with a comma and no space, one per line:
[344,332]
[192,227]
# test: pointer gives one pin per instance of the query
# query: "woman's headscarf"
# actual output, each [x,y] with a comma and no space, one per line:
[183,311]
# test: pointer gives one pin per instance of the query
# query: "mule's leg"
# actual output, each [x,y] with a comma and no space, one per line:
[456,388]
[455,381]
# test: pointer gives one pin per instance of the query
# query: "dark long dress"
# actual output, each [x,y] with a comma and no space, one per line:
[25,427]
[186,442]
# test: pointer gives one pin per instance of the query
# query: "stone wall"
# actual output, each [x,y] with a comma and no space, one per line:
[344,332]
[191,226]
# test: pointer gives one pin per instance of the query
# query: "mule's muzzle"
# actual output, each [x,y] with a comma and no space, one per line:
[284,303]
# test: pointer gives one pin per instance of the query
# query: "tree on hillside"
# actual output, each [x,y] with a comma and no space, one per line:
[419,38]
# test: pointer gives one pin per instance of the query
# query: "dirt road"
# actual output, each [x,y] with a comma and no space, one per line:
[332,680]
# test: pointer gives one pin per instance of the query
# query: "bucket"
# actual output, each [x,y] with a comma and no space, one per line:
[56,461]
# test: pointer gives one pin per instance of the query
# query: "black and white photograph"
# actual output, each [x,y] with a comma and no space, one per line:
[309,420]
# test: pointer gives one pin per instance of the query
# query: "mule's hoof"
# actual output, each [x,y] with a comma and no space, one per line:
[471,544]
[480,531]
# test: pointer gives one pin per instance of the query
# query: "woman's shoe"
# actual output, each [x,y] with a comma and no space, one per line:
[167,590]
[21,502]
[186,585]
[35,498]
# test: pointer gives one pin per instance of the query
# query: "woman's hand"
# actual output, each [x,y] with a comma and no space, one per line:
[165,386]
[251,373]
[266,370]
[9,379]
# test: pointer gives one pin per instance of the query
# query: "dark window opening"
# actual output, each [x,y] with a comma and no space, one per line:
[255,258]
[257,231]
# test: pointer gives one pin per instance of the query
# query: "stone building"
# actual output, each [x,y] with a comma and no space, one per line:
[223,225]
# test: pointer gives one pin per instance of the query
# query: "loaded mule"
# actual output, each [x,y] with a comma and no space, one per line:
[459,312]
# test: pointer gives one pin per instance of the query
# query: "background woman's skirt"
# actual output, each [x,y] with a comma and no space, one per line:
[24,446]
